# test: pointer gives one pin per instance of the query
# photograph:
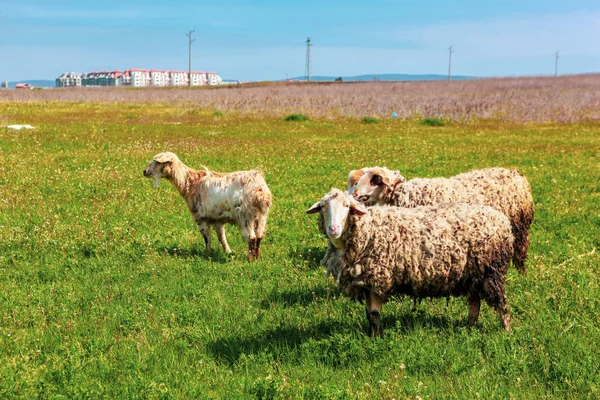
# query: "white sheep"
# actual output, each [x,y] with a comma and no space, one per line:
[450,249]
[504,189]
[241,198]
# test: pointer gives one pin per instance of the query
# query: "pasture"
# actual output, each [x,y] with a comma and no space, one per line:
[105,290]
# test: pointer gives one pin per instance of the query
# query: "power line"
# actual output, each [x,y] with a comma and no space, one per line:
[307,69]
[450,51]
[189,35]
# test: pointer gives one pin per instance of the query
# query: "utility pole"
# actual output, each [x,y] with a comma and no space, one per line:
[189,35]
[556,64]
[450,63]
[307,71]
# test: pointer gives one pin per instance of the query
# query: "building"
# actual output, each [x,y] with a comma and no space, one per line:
[198,78]
[138,78]
[212,78]
[159,78]
[69,79]
[179,78]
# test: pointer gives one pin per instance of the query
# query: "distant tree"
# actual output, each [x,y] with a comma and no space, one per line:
[339,79]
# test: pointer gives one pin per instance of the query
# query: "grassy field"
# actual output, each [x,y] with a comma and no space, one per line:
[105,290]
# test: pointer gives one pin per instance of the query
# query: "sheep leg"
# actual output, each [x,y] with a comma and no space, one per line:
[521,234]
[220,229]
[474,306]
[260,228]
[257,248]
[205,230]
[250,238]
[373,304]
[495,295]
[252,250]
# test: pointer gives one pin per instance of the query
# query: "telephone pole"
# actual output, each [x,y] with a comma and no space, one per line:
[556,64]
[189,35]
[450,51]
[307,71]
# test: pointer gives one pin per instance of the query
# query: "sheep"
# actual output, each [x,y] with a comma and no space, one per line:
[504,189]
[449,249]
[241,198]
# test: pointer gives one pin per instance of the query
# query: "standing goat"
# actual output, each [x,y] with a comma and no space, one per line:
[241,198]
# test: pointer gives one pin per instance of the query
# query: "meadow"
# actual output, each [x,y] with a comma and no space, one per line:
[106,292]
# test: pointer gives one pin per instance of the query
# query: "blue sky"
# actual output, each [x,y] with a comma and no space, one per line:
[40,39]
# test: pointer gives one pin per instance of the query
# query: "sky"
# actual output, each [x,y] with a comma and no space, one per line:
[265,39]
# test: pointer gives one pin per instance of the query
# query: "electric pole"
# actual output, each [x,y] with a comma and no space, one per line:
[307,72]
[189,35]
[450,62]
[556,64]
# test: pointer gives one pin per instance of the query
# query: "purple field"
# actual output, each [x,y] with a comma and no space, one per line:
[565,99]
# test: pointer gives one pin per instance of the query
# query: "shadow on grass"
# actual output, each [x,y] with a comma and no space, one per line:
[279,342]
[301,296]
[216,255]
[284,342]
[407,322]
[313,255]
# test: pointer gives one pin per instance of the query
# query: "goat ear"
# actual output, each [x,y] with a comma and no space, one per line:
[163,158]
[314,208]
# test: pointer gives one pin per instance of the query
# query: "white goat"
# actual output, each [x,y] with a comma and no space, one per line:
[214,199]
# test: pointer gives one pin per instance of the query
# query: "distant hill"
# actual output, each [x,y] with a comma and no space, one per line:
[34,83]
[385,77]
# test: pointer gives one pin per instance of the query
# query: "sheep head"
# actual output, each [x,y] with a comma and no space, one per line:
[333,210]
[163,165]
[373,183]
[353,178]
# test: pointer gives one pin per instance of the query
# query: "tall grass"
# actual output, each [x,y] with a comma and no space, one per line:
[564,99]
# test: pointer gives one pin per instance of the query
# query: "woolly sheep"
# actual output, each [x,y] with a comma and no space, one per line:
[504,189]
[450,249]
[241,198]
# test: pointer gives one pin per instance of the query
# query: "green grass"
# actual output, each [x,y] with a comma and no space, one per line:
[369,120]
[432,122]
[107,292]
[297,117]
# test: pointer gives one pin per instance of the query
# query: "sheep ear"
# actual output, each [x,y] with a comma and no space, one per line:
[163,158]
[357,208]
[399,177]
[315,208]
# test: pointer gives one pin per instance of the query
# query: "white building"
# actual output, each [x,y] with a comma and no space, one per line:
[212,78]
[138,78]
[68,79]
[198,78]
[179,78]
[159,78]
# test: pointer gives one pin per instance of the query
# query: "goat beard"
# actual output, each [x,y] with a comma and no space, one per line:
[156,181]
